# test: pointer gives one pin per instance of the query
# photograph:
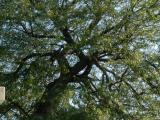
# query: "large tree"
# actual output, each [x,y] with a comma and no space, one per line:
[80,59]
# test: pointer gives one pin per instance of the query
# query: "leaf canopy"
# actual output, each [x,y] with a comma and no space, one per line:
[80,59]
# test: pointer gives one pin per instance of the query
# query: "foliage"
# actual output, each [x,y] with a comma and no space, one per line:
[80,59]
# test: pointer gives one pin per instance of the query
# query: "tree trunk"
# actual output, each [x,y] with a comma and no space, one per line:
[46,107]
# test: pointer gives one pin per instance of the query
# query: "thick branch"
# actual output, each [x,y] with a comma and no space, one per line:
[49,100]
[67,35]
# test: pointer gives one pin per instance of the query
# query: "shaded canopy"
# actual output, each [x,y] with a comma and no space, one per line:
[80,59]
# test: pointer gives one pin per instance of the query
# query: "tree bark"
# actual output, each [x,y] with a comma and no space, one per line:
[46,107]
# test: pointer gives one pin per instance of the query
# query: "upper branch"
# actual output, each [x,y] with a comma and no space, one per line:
[67,35]
[34,35]
[55,53]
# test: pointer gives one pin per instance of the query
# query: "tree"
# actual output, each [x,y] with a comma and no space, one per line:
[80,59]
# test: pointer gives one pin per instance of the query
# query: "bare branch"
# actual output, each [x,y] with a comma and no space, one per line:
[30,33]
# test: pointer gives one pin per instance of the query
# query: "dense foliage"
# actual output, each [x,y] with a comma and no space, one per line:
[80,59]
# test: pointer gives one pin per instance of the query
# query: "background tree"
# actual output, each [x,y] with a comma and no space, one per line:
[80,59]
